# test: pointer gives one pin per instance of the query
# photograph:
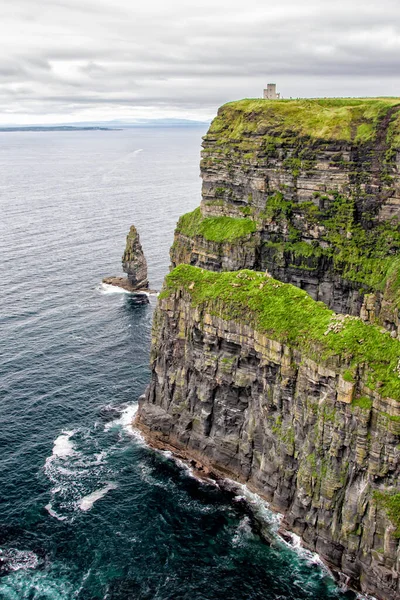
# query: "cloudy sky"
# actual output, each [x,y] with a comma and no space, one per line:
[70,60]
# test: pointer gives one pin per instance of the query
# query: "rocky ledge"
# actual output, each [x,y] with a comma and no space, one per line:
[124,283]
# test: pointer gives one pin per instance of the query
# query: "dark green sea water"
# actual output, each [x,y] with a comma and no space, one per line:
[88,511]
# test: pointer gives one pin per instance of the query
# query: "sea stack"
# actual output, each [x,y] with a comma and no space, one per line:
[133,261]
[134,265]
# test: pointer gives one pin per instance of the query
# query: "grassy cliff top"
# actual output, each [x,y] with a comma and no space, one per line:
[341,119]
[289,315]
[214,229]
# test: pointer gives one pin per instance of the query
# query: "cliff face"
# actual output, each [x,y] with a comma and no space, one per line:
[320,182]
[259,380]
[277,403]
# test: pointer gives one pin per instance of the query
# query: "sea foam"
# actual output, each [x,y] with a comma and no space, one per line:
[107,289]
[87,502]
[62,446]
[53,513]
[18,559]
[125,420]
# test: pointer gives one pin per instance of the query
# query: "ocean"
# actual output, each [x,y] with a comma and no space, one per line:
[87,509]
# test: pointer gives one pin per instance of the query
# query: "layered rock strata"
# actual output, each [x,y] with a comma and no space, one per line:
[304,411]
[320,182]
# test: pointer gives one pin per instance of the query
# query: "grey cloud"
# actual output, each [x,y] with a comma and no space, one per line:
[67,56]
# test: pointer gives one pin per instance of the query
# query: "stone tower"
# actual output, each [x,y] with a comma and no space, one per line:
[270,92]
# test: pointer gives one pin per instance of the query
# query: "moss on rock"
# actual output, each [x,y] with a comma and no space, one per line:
[390,501]
[214,229]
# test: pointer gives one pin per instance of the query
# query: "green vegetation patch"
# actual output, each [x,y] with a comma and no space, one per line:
[390,501]
[289,315]
[345,119]
[214,229]
[369,257]
[363,402]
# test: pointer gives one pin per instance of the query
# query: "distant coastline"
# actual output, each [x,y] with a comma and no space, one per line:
[56,128]
[115,125]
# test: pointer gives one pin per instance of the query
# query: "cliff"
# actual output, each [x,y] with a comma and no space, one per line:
[309,190]
[305,411]
[259,380]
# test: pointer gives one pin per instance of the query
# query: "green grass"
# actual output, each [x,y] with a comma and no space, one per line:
[363,402]
[289,315]
[347,119]
[390,501]
[214,229]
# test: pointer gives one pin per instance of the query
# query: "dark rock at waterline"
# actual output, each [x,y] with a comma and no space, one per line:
[139,298]
[110,413]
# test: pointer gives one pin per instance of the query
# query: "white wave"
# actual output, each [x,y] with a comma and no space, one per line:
[53,513]
[190,471]
[261,510]
[63,447]
[36,584]
[296,544]
[272,520]
[259,506]
[128,414]
[107,289]
[118,167]
[125,159]
[100,456]
[87,502]
[125,420]
[243,532]
[84,578]
[70,469]
[19,559]
[66,472]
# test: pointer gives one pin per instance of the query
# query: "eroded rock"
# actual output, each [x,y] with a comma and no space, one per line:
[134,262]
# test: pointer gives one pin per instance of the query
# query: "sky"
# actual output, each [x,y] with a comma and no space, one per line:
[63,61]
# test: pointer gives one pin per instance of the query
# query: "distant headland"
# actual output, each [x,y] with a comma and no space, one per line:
[114,125]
